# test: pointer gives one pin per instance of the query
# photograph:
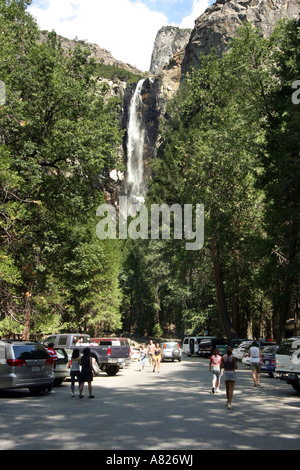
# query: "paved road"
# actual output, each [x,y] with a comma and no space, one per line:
[173,410]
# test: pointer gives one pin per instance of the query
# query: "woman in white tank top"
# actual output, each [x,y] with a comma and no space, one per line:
[255,361]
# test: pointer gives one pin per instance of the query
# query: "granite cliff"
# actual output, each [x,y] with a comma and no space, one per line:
[168,42]
[215,28]
[219,23]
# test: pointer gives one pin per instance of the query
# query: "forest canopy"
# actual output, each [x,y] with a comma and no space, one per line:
[229,141]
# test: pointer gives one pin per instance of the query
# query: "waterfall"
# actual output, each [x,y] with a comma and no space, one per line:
[134,182]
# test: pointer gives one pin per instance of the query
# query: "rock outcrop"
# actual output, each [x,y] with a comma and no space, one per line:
[219,24]
[101,55]
[169,41]
[215,28]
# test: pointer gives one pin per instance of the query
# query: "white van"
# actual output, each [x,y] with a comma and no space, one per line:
[190,345]
[288,362]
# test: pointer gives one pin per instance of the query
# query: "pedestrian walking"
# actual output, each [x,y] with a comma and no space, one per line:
[150,352]
[215,368]
[142,357]
[75,370]
[256,360]
[157,357]
[229,364]
[86,374]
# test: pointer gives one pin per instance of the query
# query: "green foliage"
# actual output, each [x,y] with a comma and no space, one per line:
[231,142]
[157,331]
[112,72]
[58,135]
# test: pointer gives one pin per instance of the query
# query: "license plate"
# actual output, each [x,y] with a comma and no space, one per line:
[60,366]
[36,369]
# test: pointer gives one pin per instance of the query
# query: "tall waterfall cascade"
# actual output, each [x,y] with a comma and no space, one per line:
[135,188]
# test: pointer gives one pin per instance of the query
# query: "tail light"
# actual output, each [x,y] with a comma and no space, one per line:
[109,351]
[16,362]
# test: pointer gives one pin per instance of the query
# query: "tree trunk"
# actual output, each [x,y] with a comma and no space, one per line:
[221,299]
[28,297]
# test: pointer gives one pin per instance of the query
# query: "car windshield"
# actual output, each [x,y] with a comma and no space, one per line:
[60,353]
[27,351]
[244,345]
[170,345]
[81,339]
[269,349]
[289,345]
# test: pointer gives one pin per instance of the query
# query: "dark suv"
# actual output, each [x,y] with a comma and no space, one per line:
[207,346]
[25,365]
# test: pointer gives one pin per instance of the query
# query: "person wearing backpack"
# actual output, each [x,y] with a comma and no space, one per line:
[229,365]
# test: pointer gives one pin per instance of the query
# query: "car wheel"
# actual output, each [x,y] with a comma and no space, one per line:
[37,390]
[58,382]
[296,386]
[179,359]
[112,370]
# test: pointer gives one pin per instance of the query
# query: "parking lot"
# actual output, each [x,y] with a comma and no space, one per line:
[173,410]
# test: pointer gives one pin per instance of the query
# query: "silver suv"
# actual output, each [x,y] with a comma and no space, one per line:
[25,365]
[171,351]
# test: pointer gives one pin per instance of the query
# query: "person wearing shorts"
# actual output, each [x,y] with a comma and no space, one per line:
[229,364]
[255,361]
[157,357]
[86,374]
[214,367]
[142,357]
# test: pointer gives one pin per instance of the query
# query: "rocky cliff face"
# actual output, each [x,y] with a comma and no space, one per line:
[169,41]
[219,23]
[215,28]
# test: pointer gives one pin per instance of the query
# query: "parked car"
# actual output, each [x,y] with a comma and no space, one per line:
[246,359]
[62,366]
[240,350]
[235,343]
[120,345]
[191,344]
[25,365]
[288,362]
[268,351]
[135,353]
[171,351]
[222,348]
[108,354]
[208,345]
[268,354]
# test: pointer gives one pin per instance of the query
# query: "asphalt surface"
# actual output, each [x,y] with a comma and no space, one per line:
[170,411]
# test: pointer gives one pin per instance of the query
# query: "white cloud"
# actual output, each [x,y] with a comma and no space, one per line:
[125,28]
[199,6]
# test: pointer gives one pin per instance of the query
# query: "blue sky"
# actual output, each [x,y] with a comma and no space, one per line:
[126,28]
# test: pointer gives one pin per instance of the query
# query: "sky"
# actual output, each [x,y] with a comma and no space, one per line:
[126,28]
